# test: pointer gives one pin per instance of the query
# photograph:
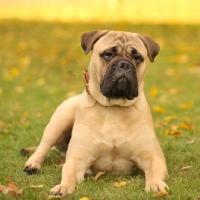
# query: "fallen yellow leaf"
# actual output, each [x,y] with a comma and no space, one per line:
[186,106]
[98,175]
[25,61]
[174,127]
[160,194]
[175,132]
[84,198]
[119,184]
[40,82]
[170,118]
[183,58]
[54,197]
[2,124]
[25,114]
[11,74]
[186,126]
[159,109]
[154,92]
[173,91]
[37,186]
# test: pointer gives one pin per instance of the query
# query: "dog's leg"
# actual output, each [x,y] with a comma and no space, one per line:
[156,175]
[58,130]
[155,170]
[73,171]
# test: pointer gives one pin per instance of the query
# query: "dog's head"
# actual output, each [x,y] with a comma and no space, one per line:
[117,65]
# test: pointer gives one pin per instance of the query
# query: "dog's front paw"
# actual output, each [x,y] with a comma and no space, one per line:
[63,189]
[156,186]
[32,167]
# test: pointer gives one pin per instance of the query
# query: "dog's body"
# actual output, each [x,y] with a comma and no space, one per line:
[112,123]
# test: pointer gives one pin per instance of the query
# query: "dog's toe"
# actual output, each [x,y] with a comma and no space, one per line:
[62,190]
[32,167]
[156,186]
[30,170]
[59,190]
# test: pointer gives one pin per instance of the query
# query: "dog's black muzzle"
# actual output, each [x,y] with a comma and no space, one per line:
[120,80]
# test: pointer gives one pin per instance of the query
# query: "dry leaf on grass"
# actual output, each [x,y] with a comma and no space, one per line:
[2,188]
[175,132]
[37,186]
[154,92]
[159,109]
[2,124]
[174,129]
[84,198]
[119,184]
[40,82]
[174,91]
[186,126]
[98,175]
[11,189]
[186,106]
[54,197]
[190,141]
[185,168]
[170,118]
[160,194]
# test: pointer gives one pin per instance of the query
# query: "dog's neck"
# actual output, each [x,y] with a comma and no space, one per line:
[86,81]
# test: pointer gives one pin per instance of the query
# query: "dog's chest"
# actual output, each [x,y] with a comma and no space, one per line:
[114,156]
[115,142]
[111,134]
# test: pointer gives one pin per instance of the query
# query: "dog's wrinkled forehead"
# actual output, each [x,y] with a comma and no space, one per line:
[123,40]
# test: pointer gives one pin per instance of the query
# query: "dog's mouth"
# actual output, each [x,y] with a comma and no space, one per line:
[120,81]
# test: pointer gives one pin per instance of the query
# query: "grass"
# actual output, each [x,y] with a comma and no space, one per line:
[41,65]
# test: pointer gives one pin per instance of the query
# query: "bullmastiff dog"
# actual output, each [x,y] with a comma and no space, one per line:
[109,126]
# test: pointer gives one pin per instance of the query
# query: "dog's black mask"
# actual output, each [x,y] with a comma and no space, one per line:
[120,80]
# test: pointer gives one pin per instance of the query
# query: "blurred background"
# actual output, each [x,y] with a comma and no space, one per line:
[148,11]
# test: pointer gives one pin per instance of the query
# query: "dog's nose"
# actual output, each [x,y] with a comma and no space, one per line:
[124,65]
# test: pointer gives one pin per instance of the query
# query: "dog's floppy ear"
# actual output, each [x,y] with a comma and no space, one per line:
[88,39]
[151,46]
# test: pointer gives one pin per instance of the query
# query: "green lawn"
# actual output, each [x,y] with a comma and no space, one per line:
[41,65]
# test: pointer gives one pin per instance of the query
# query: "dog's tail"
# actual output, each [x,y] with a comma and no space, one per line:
[27,150]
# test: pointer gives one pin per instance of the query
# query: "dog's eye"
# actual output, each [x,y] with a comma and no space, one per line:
[138,58]
[108,55]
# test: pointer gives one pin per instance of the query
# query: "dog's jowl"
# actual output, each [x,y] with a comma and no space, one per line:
[109,126]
